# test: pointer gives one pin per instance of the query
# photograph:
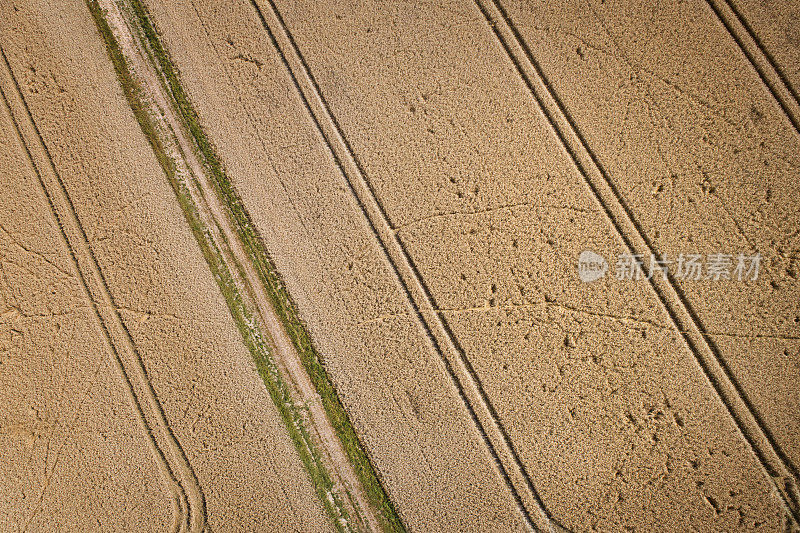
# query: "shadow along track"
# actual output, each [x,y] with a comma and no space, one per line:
[458,367]
[759,57]
[776,465]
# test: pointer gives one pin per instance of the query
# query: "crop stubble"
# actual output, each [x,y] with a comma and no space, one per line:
[420,204]
[718,199]
[168,309]
[61,430]
[428,149]
[415,429]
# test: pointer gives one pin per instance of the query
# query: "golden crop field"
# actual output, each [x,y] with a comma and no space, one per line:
[471,265]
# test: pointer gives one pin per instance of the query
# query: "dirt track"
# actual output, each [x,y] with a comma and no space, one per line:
[212,211]
[424,177]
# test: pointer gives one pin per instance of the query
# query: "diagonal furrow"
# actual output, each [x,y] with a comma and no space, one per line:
[760,58]
[438,333]
[777,466]
[163,113]
[170,457]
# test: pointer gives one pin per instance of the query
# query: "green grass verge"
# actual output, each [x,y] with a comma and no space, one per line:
[253,244]
[279,392]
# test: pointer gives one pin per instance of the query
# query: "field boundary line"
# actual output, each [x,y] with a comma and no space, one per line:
[285,359]
[189,501]
[441,338]
[775,463]
[760,59]
[193,181]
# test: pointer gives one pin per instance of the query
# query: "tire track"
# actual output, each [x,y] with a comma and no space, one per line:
[442,340]
[223,60]
[187,496]
[759,57]
[349,505]
[776,464]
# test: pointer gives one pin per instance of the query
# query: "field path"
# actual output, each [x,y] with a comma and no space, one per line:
[188,498]
[214,213]
[776,465]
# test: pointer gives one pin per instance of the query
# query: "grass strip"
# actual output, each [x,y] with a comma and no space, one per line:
[276,386]
[274,285]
